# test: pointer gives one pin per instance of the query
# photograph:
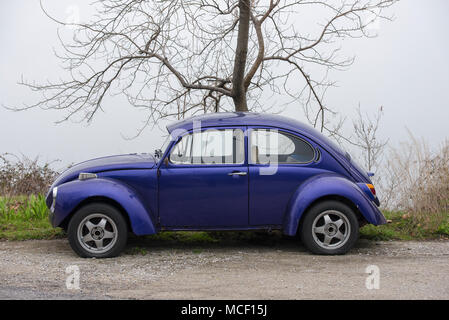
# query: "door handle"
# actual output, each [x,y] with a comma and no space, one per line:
[237,173]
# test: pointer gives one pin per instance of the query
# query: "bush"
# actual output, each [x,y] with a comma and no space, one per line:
[23,208]
[419,183]
[25,217]
[24,176]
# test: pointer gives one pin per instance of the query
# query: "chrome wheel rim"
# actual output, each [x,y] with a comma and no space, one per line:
[97,233]
[331,229]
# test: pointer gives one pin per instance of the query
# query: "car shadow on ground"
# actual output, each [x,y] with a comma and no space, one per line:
[230,240]
[213,240]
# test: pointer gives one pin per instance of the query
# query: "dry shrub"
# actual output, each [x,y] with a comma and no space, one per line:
[24,176]
[419,182]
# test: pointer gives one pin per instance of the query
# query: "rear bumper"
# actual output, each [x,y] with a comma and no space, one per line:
[375,212]
[370,207]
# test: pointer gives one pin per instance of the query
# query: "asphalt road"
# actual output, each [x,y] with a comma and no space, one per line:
[238,270]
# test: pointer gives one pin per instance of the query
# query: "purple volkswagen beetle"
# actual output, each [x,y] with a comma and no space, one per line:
[221,171]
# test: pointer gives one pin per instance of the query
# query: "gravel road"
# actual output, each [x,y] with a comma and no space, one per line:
[240,270]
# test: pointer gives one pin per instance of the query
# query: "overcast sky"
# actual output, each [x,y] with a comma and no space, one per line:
[405,70]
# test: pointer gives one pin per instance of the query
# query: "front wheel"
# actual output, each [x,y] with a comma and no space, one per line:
[329,228]
[97,230]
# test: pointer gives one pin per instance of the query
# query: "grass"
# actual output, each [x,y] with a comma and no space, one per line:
[405,227]
[23,218]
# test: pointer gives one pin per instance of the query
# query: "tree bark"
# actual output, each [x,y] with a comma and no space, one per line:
[241,52]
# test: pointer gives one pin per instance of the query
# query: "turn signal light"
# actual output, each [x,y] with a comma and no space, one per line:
[371,188]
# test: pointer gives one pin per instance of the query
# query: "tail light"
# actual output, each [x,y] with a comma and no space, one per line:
[371,188]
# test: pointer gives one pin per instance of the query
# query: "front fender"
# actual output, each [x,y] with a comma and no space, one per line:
[72,194]
[323,186]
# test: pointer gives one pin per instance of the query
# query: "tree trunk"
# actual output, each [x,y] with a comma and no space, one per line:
[241,52]
[240,102]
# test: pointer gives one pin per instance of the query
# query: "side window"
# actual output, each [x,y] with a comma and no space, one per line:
[273,146]
[212,146]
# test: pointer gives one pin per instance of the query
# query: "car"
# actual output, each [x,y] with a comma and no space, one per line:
[220,171]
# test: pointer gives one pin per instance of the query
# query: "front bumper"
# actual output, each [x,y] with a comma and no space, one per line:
[51,204]
[51,218]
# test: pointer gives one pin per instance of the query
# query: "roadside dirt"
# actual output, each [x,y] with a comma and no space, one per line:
[408,270]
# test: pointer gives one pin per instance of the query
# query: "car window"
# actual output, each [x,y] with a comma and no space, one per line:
[273,146]
[212,146]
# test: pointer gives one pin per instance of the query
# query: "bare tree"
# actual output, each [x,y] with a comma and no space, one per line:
[365,129]
[366,138]
[181,57]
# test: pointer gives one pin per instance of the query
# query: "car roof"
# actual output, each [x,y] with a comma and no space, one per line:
[223,119]
[220,119]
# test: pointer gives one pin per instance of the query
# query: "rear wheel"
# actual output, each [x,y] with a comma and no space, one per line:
[97,230]
[329,228]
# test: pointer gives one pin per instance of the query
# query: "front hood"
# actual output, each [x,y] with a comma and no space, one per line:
[120,162]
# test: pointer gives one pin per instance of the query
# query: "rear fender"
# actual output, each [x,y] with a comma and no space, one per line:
[322,186]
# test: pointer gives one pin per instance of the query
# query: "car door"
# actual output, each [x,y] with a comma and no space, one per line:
[204,181]
[279,162]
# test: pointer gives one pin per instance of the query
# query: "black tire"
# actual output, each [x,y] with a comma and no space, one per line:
[116,224]
[336,211]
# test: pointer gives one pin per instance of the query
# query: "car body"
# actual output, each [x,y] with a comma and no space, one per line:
[222,171]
